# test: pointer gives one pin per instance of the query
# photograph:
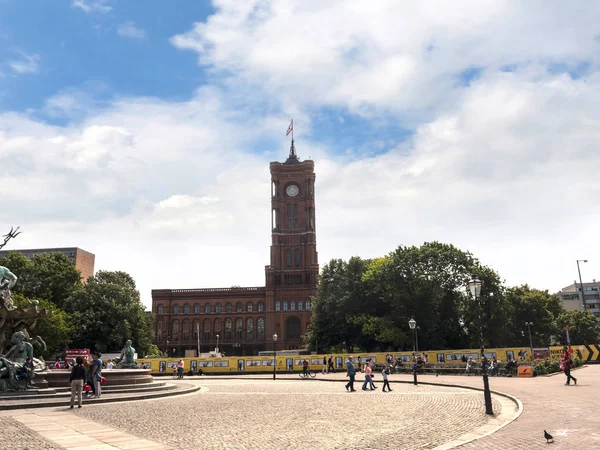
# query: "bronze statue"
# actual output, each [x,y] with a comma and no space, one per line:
[126,359]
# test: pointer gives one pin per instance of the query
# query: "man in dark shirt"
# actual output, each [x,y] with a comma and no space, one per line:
[76,380]
[351,372]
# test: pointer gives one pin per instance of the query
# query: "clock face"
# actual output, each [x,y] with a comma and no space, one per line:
[292,190]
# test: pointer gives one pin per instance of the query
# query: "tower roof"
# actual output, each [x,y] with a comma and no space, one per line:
[292,157]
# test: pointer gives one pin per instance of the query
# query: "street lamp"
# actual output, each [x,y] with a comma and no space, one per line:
[529,325]
[274,356]
[217,349]
[581,282]
[475,288]
[412,324]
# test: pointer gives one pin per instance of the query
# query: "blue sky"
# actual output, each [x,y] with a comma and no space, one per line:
[150,125]
[77,50]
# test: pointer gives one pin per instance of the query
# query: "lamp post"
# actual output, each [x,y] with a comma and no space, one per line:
[274,357]
[412,324]
[529,325]
[475,289]
[581,282]
[217,349]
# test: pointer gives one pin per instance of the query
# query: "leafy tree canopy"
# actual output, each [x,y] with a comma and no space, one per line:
[107,311]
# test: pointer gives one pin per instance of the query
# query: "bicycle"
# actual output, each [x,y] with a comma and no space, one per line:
[308,374]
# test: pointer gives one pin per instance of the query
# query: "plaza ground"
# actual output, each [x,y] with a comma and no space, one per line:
[289,413]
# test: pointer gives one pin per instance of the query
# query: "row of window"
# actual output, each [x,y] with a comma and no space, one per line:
[260,307]
[292,305]
[211,329]
[208,308]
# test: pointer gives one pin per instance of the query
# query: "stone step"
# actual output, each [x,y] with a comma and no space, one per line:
[64,392]
[59,400]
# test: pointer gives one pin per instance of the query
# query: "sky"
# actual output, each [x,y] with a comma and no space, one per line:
[142,131]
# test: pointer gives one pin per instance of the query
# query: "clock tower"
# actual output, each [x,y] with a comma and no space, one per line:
[291,278]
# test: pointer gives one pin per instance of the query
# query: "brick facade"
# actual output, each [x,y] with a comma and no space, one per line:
[245,318]
[83,261]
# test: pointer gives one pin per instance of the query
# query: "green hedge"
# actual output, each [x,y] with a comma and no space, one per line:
[548,366]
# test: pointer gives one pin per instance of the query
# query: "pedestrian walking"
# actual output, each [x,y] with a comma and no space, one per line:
[384,373]
[368,380]
[324,369]
[180,367]
[350,373]
[566,362]
[97,373]
[469,365]
[330,364]
[76,381]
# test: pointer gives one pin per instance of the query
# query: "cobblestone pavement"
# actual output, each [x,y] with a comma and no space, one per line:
[569,413]
[296,414]
[18,437]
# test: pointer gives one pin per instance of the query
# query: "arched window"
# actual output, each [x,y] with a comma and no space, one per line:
[196,329]
[176,309]
[238,307]
[285,305]
[292,306]
[186,330]
[196,308]
[217,328]
[308,305]
[175,329]
[277,305]
[207,308]
[249,329]
[292,328]
[295,216]
[260,328]
[288,257]
[228,329]
[261,306]
[297,257]
[299,305]
[160,309]
[238,329]
[206,329]
[159,331]
[218,308]
[228,307]
[186,309]
[249,307]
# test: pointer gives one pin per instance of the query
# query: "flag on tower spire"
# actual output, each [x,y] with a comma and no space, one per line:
[291,129]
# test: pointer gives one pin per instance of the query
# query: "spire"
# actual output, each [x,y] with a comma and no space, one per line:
[293,157]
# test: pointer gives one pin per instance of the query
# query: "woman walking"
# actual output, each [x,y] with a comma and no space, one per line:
[566,362]
[367,378]
[76,380]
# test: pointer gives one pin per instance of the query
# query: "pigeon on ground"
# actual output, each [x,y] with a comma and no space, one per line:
[548,436]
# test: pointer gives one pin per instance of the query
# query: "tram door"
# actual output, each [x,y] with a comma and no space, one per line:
[240,365]
[289,363]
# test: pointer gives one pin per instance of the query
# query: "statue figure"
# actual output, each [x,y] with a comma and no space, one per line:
[7,281]
[12,364]
[126,359]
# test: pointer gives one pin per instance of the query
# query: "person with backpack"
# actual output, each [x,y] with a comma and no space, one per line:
[76,381]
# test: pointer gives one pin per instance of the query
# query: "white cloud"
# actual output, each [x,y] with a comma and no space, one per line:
[503,167]
[92,6]
[130,30]
[390,55]
[26,63]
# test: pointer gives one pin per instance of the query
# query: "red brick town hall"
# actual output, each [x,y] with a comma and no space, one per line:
[245,318]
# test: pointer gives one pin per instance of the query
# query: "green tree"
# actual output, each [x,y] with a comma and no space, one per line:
[537,306]
[368,303]
[107,311]
[49,276]
[56,330]
[584,328]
